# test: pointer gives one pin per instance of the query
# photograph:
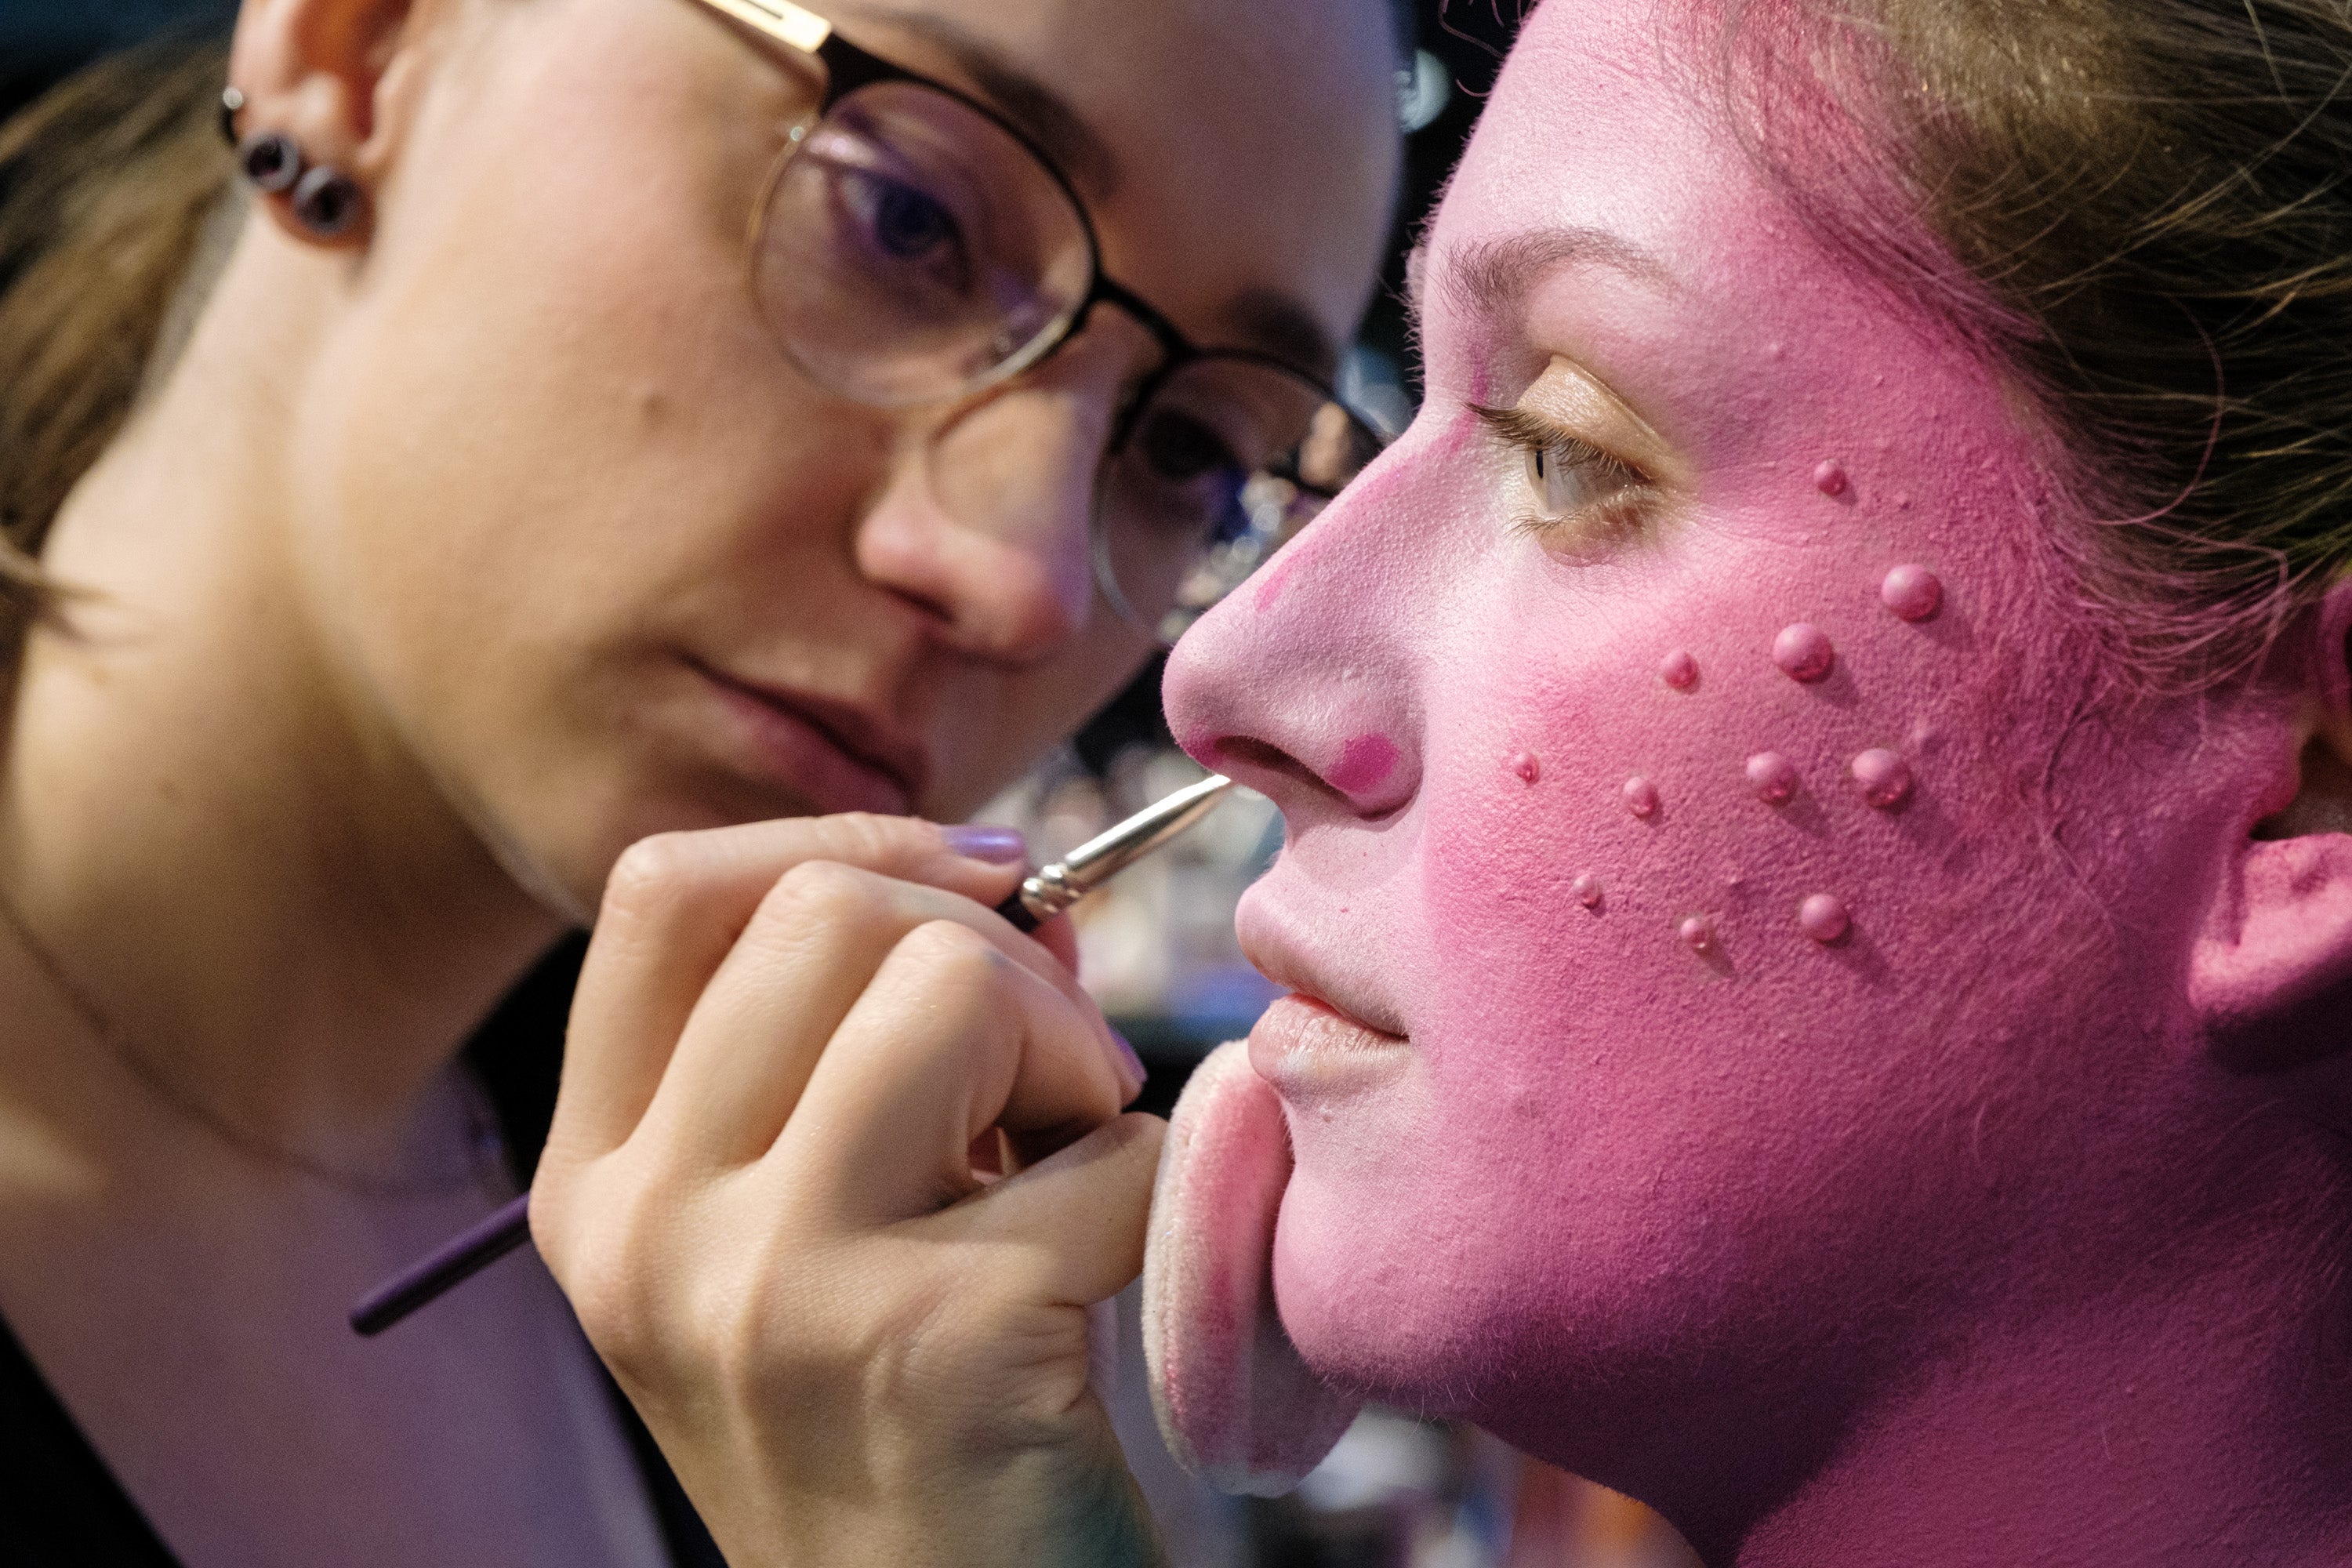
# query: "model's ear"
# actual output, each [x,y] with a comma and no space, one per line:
[2272,974]
[339,76]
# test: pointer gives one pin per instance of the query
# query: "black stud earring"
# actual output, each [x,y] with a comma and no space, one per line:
[327,203]
[272,160]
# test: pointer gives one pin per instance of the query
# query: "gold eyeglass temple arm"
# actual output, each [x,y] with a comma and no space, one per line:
[781,20]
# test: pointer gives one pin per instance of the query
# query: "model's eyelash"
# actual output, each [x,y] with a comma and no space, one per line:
[1570,478]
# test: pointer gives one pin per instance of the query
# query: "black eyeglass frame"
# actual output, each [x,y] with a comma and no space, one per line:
[849,67]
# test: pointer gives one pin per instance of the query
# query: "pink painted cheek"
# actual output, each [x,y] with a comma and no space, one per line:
[1363,764]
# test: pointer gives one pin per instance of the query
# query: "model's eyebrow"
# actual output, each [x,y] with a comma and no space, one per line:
[1491,276]
[1042,114]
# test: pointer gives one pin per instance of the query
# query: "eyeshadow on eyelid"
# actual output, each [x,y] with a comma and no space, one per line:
[1569,396]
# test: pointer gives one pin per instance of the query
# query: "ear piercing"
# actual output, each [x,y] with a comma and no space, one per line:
[272,160]
[325,201]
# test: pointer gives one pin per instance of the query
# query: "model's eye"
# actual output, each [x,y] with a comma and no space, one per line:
[1567,476]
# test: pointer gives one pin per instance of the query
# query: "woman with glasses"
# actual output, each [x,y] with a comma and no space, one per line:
[583,421]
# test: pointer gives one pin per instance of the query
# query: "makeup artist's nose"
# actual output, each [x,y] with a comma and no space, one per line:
[988,526]
[1295,687]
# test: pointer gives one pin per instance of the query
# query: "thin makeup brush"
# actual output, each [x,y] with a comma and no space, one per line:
[1046,893]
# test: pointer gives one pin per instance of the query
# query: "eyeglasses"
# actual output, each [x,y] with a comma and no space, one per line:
[913,247]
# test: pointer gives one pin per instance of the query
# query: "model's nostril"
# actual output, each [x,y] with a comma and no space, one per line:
[1256,762]
[1241,756]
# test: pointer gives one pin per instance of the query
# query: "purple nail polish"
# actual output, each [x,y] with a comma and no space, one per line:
[984,841]
[1136,1071]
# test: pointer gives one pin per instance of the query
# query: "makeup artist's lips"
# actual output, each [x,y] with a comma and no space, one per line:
[841,757]
[1309,1049]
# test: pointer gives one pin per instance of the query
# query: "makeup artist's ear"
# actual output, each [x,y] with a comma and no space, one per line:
[341,78]
[2271,976]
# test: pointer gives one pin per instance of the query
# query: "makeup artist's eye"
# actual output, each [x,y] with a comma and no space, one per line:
[1567,476]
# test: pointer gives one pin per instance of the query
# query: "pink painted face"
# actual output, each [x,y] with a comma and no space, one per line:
[1746,953]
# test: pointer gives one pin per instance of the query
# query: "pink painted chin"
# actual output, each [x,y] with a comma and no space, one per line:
[1236,1405]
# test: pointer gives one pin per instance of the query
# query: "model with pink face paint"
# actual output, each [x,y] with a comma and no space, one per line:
[1814,777]
[1869,1093]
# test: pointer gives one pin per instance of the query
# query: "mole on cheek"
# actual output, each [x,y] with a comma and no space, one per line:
[1587,891]
[1912,593]
[1679,670]
[1363,763]
[1823,918]
[1830,479]
[1641,797]
[1527,766]
[1803,652]
[1884,778]
[1773,777]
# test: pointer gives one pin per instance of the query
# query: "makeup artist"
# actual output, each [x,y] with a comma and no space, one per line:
[584,420]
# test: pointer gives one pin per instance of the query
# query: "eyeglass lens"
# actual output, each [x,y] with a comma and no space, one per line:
[1229,460]
[911,250]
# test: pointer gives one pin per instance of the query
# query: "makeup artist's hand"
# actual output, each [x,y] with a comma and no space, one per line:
[759,1194]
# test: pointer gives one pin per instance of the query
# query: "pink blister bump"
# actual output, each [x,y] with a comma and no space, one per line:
[1912,593]
[1236,1406]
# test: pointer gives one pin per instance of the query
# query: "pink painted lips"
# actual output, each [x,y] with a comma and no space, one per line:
[838,755]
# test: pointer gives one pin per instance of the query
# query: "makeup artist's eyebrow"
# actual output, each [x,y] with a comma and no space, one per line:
[1042,114]
[1281,326]
[1491,276]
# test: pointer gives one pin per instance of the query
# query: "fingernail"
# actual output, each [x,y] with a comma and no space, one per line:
[984,841]
[1136,1071]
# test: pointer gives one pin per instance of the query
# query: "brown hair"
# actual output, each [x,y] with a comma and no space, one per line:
[2149,203]
[106,183]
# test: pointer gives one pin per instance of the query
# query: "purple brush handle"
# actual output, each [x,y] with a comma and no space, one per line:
[452,1263]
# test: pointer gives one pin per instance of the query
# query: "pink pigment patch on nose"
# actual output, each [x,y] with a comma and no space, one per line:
[1275,578]
[1363,763]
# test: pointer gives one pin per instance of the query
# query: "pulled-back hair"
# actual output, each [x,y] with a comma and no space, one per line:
[106,184]
[2144,209]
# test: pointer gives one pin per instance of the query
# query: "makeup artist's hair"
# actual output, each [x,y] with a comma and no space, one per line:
[106,185]
[2150,204]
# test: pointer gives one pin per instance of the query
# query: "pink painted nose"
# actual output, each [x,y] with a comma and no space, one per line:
[1301,686]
